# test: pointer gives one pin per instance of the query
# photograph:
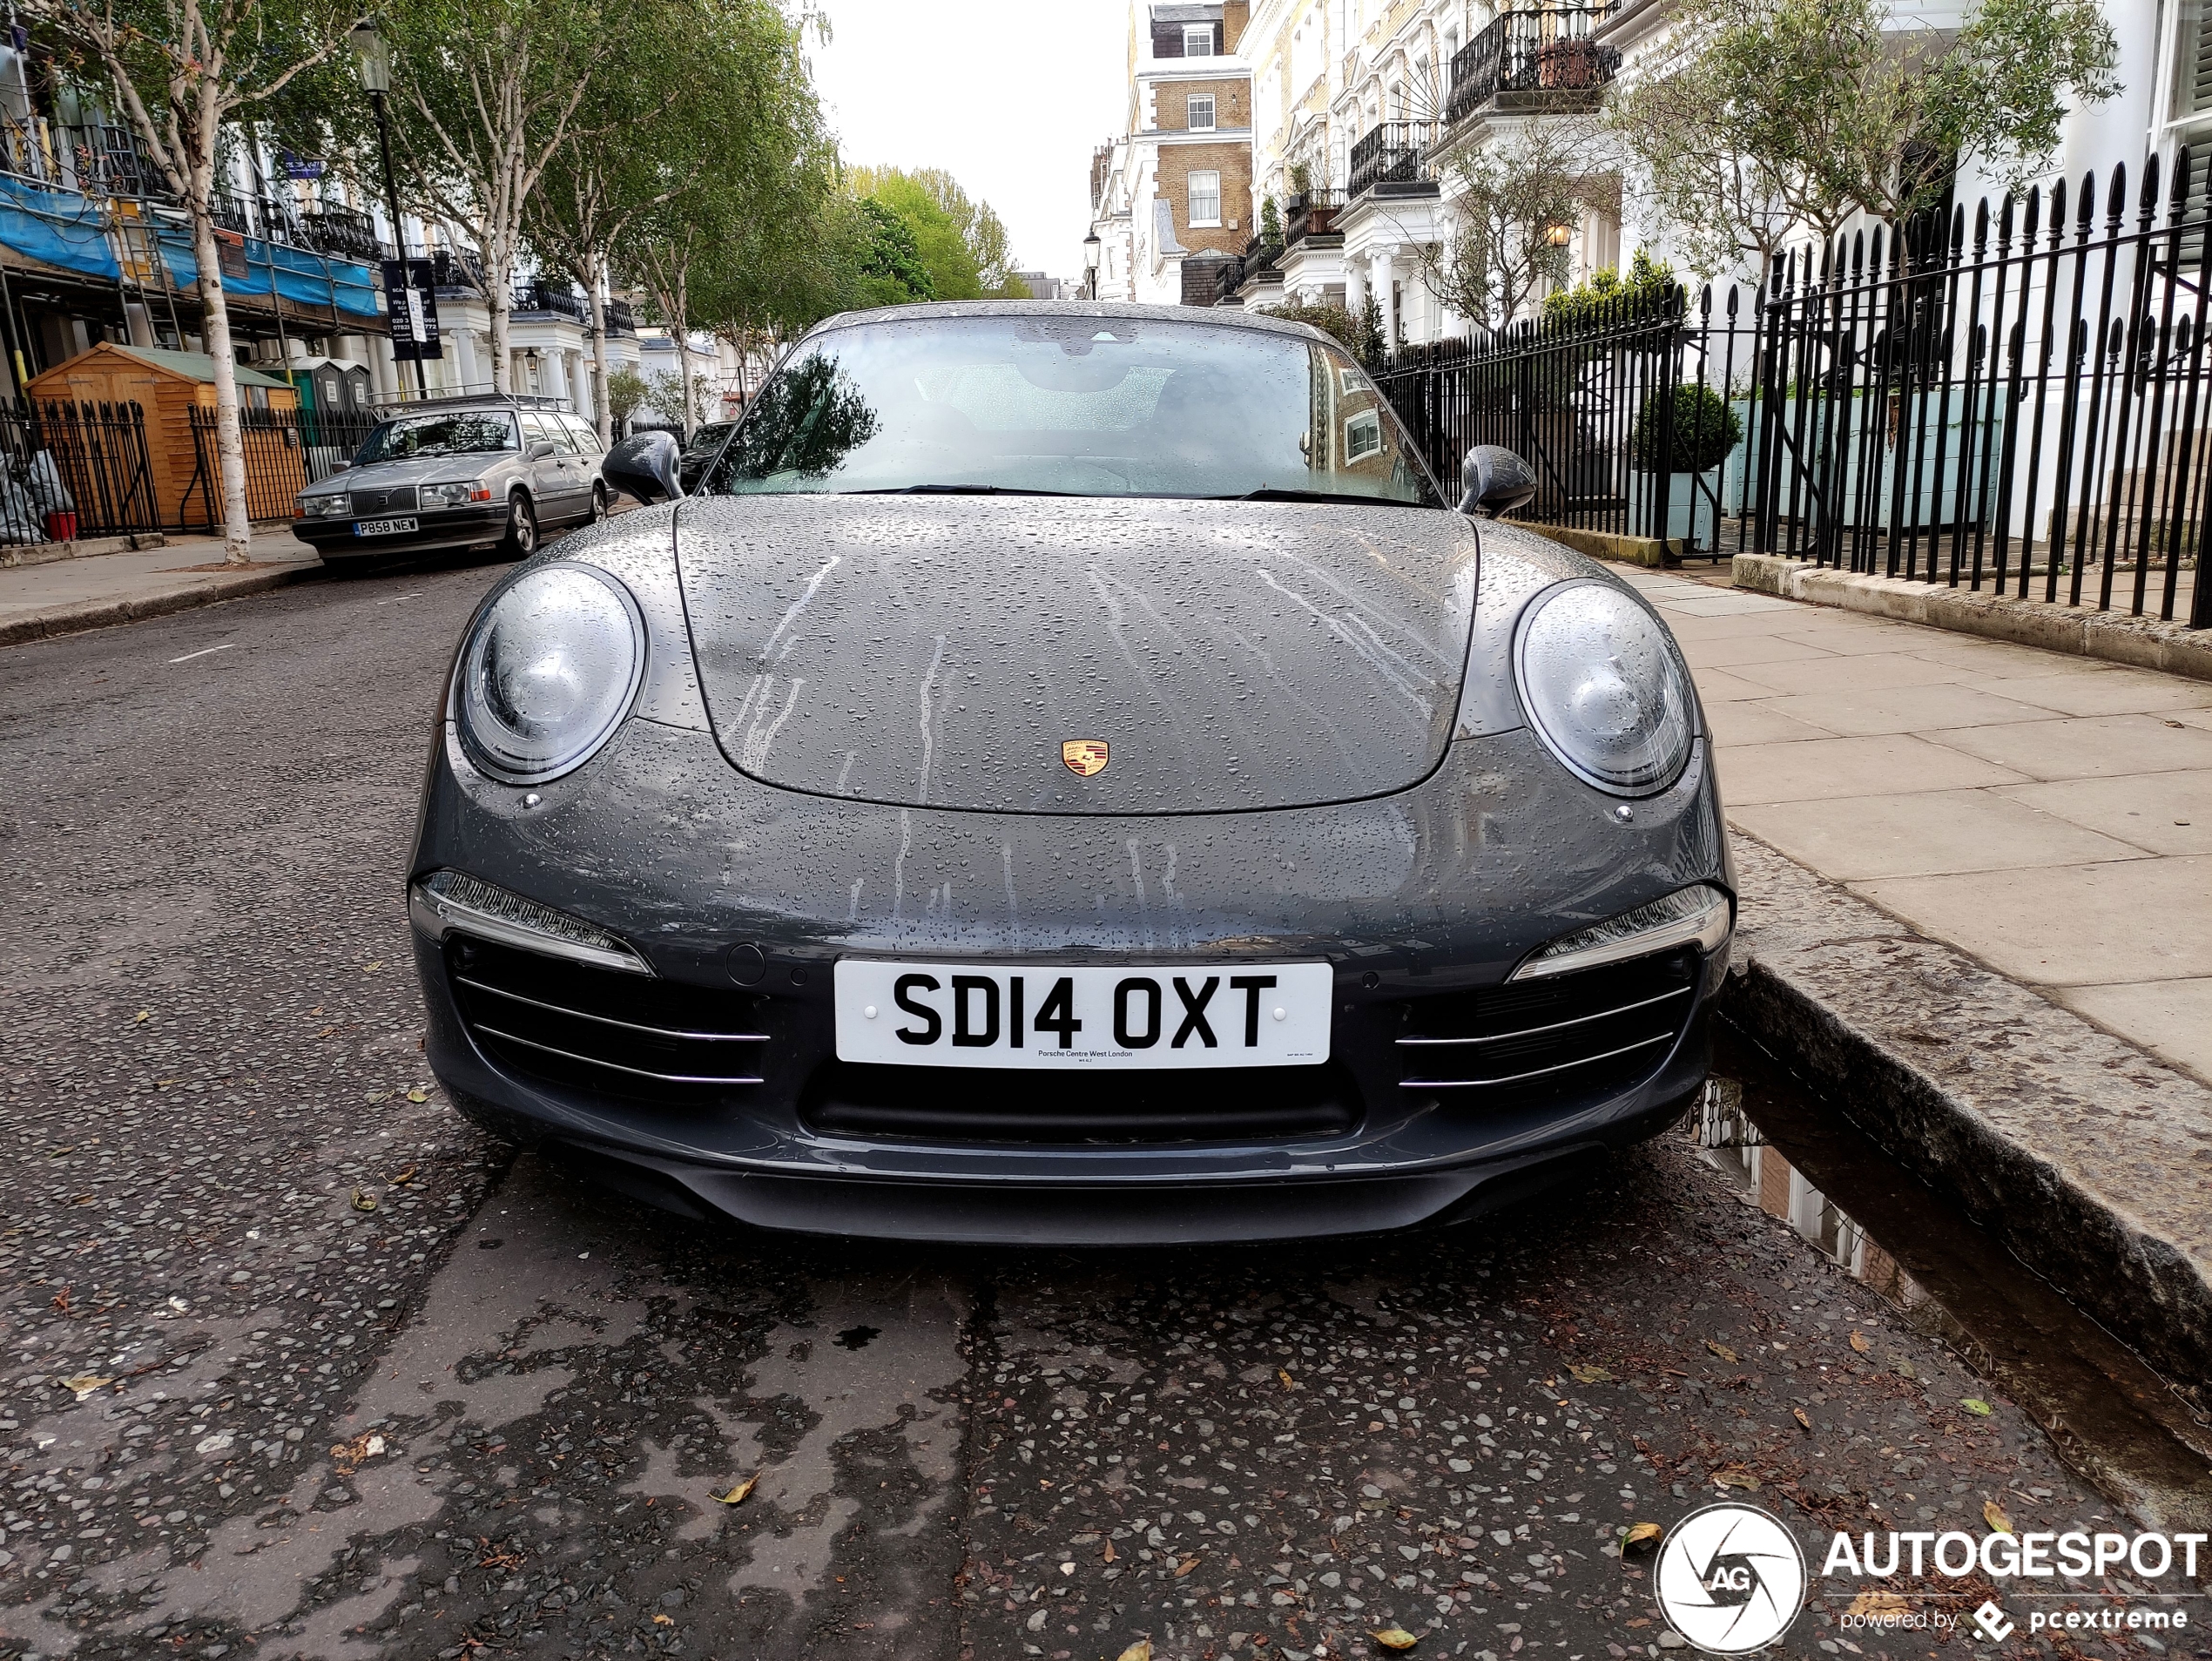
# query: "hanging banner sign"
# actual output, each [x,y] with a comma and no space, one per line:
[410,292]
[230,254]
[302,166]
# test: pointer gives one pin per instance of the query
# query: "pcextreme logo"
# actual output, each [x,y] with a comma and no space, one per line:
[1730,1578]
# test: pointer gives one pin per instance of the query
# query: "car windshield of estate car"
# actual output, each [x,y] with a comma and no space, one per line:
[473,432]
[1078,406]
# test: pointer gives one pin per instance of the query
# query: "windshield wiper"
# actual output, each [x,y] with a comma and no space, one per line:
[1279,493]
[958,489]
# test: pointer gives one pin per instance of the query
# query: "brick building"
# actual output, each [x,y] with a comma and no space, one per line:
[1171,200]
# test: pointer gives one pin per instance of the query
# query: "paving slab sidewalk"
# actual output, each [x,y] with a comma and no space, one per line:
[66,596]
[1977,903]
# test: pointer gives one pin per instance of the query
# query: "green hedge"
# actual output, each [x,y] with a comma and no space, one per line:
[1705,430]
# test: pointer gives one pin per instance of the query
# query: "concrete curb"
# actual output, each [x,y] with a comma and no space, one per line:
[2083,1156]
[2145,643]
[1648,551]
[81,615]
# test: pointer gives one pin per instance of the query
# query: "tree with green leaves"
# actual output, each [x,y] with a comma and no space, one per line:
[1776,118]
[487,93]
[960,241]
[1513,195]
[183,72]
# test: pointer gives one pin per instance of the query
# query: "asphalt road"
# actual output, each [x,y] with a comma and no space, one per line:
[346,1379]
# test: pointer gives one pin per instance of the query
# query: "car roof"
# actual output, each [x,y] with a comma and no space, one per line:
[1110,310]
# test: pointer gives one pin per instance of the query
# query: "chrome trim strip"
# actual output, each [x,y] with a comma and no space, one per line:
[1710,928]
[435,915]
[594,1061]
[1559,1026]
[1516,1079]
[610,1020]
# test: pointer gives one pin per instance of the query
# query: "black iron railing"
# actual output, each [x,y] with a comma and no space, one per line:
[554,298]
[1394,153]
[286,450]
[621,318]
[98,160]
[69,471]
[1533,52]
[457,270]
[1309,215]
[2019,401]
[1261,259]
[343,233]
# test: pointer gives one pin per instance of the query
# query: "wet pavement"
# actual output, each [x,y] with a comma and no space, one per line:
[345,1380]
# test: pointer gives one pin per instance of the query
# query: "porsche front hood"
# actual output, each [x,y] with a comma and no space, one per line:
[938,651]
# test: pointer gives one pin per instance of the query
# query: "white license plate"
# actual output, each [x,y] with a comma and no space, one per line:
[383,527]
[960,1015]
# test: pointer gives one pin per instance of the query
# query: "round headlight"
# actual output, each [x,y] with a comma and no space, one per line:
[549,672]
[1605,689]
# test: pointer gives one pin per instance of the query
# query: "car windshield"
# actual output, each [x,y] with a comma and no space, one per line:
[461,433]
[1081,405]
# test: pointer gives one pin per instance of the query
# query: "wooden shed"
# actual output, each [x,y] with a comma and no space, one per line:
[169,387]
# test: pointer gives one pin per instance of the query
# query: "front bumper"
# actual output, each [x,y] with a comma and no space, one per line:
[742,898]
[442,529]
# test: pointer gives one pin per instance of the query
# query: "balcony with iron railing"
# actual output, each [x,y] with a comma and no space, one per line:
[93,159]
[1392,160]
[343,233]
[1311,215]
[622,319]
[540,297]
[1547,54]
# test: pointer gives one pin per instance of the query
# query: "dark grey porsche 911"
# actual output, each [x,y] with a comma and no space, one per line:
[1070,774]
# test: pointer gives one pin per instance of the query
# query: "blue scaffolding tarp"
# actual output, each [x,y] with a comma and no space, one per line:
[58,227]
[301,277]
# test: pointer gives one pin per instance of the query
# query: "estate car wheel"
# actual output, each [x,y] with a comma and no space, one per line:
[521,528]
[598,504]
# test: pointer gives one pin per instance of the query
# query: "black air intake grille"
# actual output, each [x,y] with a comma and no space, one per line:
[977,1105]
[601,1029]
[1591,1034]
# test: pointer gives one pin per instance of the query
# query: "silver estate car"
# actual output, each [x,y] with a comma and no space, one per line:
[459,473]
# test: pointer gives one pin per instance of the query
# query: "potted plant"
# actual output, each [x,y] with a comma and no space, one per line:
[1686,433]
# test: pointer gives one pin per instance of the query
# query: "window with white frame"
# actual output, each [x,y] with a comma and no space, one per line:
[1203,195]
[1198,40]
[1198,109]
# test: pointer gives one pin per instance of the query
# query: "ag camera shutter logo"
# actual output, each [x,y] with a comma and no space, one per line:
[1730,1578]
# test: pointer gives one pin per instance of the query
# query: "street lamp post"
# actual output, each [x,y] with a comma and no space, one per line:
[1090,263]
[375,61]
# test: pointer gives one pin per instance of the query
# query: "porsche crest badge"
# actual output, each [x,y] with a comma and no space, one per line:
[1084,756]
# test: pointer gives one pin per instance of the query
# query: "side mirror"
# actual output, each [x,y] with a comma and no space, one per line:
[538,449]
[340,467]
[645,467]
[1495,480]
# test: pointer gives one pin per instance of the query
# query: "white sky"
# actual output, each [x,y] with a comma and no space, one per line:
[1010,102]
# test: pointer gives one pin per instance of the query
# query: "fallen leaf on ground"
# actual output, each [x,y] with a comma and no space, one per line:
[405,1175]
[1140,1651]
[1642,1535]
[1734,1476]
[663,1620]
[1289,1383]
[1798,1413]
[380,1096]
[1721,1350]
[1994,1515]
[364,1202]
[1185,1567]
[1975,1405]
[1859,1342]
[1902,1367]
[84,1384]
[371,968]
[736,1496]
[1394,1638]
[418,1095]
[1108,1555]
[1591,1375]
[1879,1603]
[145,1014]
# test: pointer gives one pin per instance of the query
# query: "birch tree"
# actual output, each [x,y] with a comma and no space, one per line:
[182,72]
[486,94]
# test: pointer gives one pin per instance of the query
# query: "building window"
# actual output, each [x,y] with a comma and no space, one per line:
[1198,40]
[1362,435]
[1204,198]
[1199,109]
